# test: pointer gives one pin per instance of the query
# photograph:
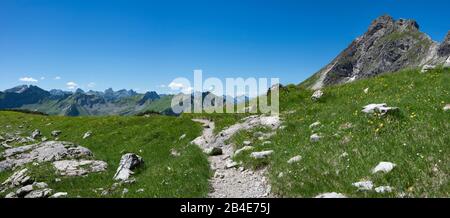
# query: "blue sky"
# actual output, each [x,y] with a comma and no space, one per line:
[142,45]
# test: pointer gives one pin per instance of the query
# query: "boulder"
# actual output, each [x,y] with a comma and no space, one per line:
[56,133]
[79,167]
[294,159]
[383,189]
[363,185]
[35,134]
[174,152]
[18,178]
[314,125]
[382,109]
[43,152]
[261,154]
[315,137]
[317,95]
[385,167]
[21,192]
[331,195]
[42,193]
[128,162]
[59,195]
[245,148]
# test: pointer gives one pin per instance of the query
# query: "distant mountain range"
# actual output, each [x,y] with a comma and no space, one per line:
[388,46]
[92,103]
[59,102]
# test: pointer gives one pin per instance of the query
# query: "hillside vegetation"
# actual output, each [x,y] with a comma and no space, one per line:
[163,175]
[416,138]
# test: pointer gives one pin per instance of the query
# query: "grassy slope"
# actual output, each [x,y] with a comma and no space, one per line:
[416,140]
[152,138]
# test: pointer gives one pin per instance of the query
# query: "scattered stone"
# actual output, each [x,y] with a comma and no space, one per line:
[59,195]
[314,125]
[383,189]
[182,136]
[427,68]
[317,95]
[87,134]
[140,190]
[346,126]
[79,167]
[231,164]
[366,90]
[125,191]
[40,185]
[42,152]
[247,142]
[245,148]
[382,109]
[55,133]
[331,195]
[44,139]
[57,180]
[18,178]
[294,159]
[385,167]
[128,162]
[315,137]
[21,192]
[35,134]
[363,185]
[261,154]
[11,195]
[280,175]
[266,143]
[213,151]
[174,152]
[446,107]
[42,193]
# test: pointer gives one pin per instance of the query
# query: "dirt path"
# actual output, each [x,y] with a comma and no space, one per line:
[230,180]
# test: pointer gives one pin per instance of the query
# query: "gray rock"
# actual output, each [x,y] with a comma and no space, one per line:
[294,159]
[56,133]
[317,95]
[382,109]
[245,148]
[59,195]
[35,134]
[79,167]
[363,185]
[24,190]
[18,178]
[174,152]
[41,193]
[11,195]
[43,152]
[385,167]
[261,154]
[331,195]
[446,107]
[314,125]
[40,185]
[315,137]
[230,164]
[128,162]
[247,142]
[383,189]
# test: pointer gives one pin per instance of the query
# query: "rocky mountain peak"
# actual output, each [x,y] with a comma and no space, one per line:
[388,46]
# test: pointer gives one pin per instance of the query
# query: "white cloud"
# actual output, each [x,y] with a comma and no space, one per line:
[91,85]
[71,85]
[180,86]
[42,77]
[28,79]
[57,78]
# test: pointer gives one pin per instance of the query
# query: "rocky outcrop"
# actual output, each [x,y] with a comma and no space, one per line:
[79,167]
[388,45]
[128,162]
[43,152]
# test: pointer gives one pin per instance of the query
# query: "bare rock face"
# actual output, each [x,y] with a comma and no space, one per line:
[43,152]
[18,178]
[79,167]
[381,109]
[388,45]
[128,162]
